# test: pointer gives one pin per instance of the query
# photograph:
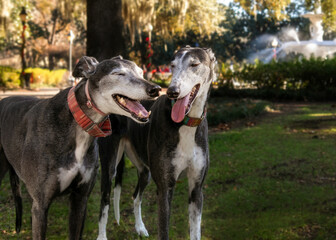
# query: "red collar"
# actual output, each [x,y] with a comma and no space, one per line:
[89,102]
[194,122]
[101,129]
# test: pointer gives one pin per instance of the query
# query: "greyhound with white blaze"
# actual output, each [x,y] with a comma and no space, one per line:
[174,141]
[51,144]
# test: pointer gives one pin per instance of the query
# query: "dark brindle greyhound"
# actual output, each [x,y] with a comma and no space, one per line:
[175,140]
[50,144]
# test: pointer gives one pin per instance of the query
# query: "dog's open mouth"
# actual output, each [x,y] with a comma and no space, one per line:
[134,107]
[183,105]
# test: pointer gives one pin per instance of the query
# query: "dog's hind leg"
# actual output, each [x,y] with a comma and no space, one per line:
[109,158]
[143,180]
[117,188]
[15,184]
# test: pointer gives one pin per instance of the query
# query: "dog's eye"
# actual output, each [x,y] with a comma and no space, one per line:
[172,66]
[119,74]
[194,64]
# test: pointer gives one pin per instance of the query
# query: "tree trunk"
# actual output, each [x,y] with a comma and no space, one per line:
[105,29]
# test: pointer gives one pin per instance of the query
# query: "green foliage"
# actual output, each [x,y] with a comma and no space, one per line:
[47,77]
[9,78]
[277,94]
[301,77]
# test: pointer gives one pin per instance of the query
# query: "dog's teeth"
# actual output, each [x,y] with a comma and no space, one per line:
[149,113]
[141,115]
[122,101]
[118,98]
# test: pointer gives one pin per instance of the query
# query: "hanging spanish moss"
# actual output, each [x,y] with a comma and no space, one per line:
[170,17]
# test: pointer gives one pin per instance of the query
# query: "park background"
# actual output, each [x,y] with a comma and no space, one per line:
[272,124]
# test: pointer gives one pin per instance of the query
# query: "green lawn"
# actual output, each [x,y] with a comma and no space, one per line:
[276,180]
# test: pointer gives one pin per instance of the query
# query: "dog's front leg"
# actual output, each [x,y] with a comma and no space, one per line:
[195,181]
[39,219]
[78,204]
[165,196]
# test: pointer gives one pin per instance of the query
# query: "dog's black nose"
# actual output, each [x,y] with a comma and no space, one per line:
[173,92]
[154,90]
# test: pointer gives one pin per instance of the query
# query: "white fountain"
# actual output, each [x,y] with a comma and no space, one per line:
[314,47]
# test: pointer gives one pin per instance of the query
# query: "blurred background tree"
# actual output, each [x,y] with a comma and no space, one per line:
[48,24]
[105,28]
[118,26]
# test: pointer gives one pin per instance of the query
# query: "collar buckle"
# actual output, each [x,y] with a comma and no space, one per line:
[89,104]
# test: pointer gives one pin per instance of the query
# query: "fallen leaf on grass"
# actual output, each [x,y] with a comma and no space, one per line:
[224,126]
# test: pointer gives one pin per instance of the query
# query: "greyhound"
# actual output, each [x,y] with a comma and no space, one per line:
[174,141]
[51,144]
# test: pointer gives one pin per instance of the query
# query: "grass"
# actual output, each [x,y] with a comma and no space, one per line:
[227,110]
[273,181]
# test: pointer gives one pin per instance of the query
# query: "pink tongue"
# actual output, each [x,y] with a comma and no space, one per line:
[136,108]
[179,109]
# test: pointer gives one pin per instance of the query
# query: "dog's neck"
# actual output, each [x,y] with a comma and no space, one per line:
[82,99]
[197,108]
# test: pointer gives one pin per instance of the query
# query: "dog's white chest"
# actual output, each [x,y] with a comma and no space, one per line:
[187,153]
[66,175]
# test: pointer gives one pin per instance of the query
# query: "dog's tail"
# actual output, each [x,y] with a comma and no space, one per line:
[15,184]
[117,188]
[4,166]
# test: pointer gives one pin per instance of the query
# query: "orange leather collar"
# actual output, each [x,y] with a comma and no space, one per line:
[101,129]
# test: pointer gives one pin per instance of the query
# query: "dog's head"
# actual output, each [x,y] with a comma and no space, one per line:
[117,85]
[193,70]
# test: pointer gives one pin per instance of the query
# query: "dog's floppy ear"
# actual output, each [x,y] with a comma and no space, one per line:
[117,57]
[210,54]
[85,67]
[213,64]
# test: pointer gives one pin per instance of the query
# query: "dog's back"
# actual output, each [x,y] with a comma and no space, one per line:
[24,132]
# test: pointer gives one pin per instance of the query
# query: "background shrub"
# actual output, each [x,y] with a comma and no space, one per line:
[46,77]
[10,77]
[300,79]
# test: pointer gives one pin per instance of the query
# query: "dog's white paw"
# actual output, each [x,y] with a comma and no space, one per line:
[141,230]
[100,237]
